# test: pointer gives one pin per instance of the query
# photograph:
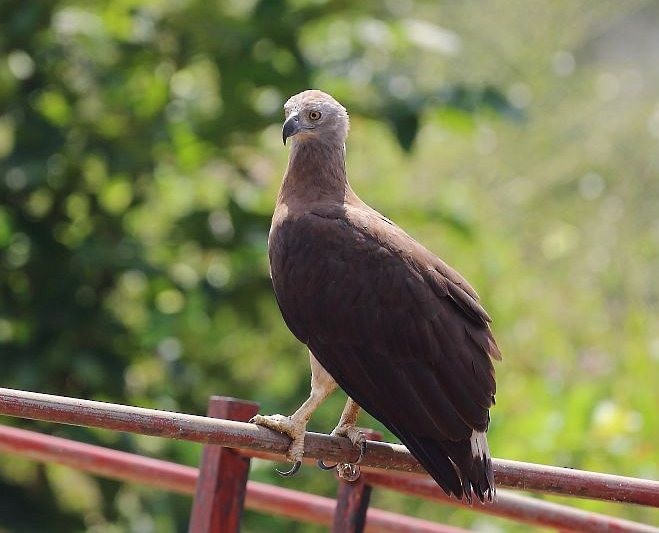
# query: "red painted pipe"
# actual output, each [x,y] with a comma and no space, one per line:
[513,506]
[248,436]
[320,510]
[104,462]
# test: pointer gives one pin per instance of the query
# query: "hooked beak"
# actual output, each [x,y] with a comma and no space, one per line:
[291,127]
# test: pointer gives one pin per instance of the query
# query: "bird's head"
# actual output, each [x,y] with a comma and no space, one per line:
[315,115]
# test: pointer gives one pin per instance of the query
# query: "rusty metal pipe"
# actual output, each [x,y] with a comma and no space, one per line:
[380,455]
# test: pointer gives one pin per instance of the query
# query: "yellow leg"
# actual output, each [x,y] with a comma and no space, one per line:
[348,416]
[322,385]
[346,427]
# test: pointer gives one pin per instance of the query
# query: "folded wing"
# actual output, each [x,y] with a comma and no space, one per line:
[401,332]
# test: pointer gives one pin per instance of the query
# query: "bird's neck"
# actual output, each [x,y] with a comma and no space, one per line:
[315,172]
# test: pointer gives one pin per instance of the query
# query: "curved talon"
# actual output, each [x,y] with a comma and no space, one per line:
[292,471]
[321,464]
[362,452]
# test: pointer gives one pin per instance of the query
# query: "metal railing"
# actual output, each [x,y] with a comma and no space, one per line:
[222,486]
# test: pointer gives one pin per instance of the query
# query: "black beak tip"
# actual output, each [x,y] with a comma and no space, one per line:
[290,128]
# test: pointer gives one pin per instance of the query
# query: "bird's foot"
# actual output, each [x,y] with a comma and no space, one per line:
[288,426]
[348,471]
[356,436]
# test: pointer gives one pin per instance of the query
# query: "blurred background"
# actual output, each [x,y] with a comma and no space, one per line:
[140,156]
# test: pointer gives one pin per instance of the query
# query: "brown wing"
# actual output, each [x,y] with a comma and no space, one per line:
[406,339]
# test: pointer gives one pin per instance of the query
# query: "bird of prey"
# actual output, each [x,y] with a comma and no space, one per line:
[400,331]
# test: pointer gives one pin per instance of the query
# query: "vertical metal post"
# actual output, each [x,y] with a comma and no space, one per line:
[222,482]
[352,500]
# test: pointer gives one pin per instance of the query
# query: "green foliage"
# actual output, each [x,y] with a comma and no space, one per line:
[139,160]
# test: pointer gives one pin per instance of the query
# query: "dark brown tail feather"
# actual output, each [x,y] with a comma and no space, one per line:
[460,475]
[476,472]
[437,464]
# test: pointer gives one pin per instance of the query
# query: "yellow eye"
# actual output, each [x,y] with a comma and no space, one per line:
[314,115]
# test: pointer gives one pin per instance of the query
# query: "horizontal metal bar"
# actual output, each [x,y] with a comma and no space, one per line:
[181,479]
[380,455]
[98,460]
[513,506]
